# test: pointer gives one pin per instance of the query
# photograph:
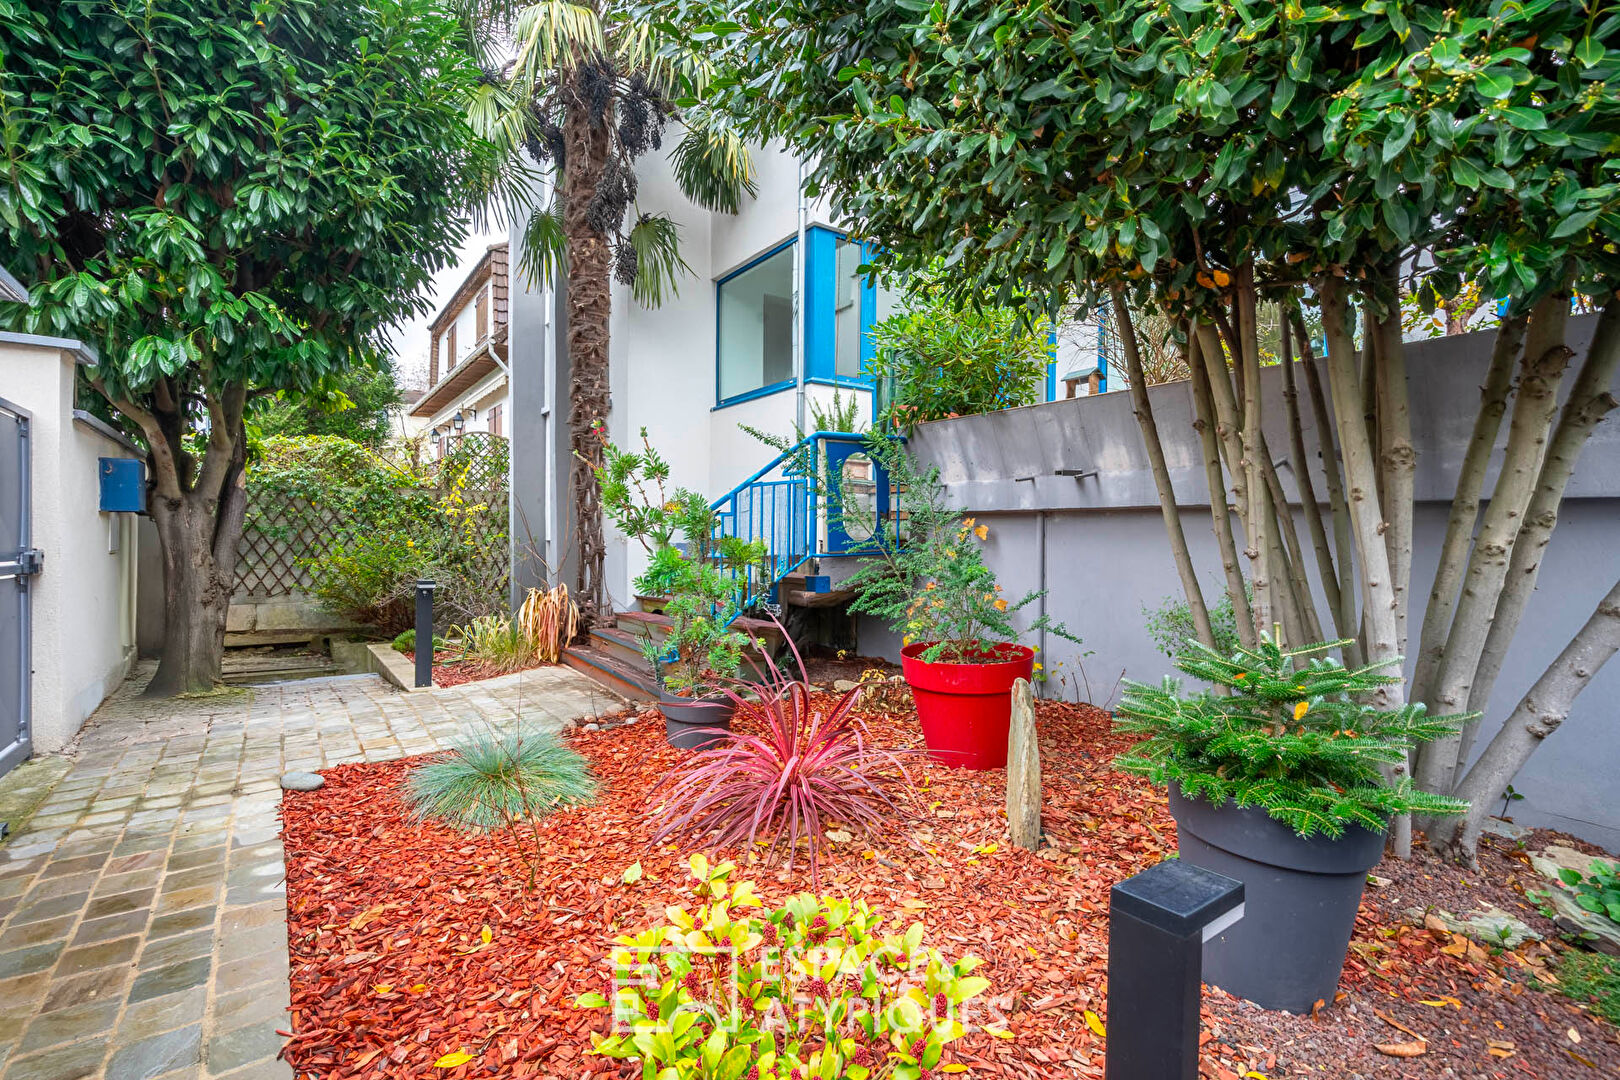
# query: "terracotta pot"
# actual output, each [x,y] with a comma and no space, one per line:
[1300,899]
[695,723]
[966,709]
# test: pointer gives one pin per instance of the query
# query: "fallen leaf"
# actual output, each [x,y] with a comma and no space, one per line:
[1574,1036]
[1094,1022]
[452,1059]
[1404,1050]
[383,988]
[839,836]
[486,935]
[1442,1001]
[1502,1049]
[632,873]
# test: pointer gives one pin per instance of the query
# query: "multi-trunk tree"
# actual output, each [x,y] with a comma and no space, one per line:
[1208,161]
[584,90]
[227,201]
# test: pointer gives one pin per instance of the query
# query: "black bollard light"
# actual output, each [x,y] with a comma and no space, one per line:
[1158,922]
[424,632]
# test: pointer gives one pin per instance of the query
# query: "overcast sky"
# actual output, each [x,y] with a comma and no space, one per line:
[411,339]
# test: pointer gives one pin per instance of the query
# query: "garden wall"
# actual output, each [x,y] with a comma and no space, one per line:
[1106,557]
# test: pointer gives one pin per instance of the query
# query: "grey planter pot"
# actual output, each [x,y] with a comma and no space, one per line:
[695,723]
[1300,899]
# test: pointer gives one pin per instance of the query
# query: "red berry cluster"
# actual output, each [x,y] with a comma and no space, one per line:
[768,933]
[817,988]
[818,928]
[694,986]
[942,1007]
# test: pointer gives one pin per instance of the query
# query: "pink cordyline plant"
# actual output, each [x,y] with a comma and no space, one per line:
[811,765]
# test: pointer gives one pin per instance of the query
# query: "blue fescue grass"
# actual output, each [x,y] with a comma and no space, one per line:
[492,779]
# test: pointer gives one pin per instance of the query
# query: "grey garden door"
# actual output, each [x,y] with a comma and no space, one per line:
[19,562]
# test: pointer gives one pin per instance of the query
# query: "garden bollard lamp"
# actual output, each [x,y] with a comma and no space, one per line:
[424,632]
[1158,922]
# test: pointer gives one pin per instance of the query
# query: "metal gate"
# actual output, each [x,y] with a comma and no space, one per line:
[19,562]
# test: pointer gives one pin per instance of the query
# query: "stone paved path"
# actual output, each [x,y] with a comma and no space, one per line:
[143,921]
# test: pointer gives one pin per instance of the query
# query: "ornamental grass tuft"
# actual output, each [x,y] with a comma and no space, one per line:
[492,780]
[1306,743]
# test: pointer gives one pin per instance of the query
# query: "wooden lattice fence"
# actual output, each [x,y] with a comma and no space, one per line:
[285,534]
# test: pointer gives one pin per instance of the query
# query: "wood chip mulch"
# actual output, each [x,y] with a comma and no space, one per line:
[410,942]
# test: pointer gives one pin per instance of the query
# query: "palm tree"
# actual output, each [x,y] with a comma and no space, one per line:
[585,90]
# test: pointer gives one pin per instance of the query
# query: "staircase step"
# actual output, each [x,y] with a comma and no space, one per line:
[639,622]
[625,645]
[611,671]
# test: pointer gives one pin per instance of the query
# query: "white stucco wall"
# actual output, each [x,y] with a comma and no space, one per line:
[663,359]
[84,599]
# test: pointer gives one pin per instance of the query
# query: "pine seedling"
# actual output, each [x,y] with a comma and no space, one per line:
[1294,734]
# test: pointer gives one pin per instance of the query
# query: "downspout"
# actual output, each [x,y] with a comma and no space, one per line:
[1040,603]
[799,313]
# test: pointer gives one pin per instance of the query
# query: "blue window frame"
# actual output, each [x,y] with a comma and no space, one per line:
[753,343]
[754,327]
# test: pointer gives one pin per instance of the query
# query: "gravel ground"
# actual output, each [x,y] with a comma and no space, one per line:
[1401,987]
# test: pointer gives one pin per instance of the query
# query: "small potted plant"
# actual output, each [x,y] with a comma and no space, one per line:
[701,584]
[926,577]
[1277,782]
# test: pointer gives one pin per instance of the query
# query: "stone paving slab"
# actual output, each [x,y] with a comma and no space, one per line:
[143,911]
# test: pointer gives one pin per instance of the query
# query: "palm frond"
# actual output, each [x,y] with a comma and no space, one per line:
[545,246]
[712,163]
[552,34]
[656,240]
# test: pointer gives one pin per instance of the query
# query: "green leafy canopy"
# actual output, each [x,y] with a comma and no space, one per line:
[216,193]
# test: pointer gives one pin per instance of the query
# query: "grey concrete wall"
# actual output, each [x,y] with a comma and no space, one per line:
[1107,558]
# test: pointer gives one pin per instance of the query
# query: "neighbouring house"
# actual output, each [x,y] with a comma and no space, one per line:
[70,488]
[774,293]
[468,381]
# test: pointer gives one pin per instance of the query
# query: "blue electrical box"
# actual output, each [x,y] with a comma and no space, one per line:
[123,485]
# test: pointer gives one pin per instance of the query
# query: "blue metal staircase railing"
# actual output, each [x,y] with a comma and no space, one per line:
[789,506]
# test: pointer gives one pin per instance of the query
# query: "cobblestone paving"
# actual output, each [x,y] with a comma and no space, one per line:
[143,918]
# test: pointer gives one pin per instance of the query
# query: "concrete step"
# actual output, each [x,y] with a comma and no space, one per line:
[624,645]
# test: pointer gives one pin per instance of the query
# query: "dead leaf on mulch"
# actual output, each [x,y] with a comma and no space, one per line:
[1416,1048]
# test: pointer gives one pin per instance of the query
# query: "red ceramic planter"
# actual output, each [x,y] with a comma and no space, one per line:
[965,709]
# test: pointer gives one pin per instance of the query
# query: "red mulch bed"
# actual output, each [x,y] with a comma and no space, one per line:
[450,669]
[390,969]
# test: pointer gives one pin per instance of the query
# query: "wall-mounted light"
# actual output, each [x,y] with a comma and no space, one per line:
[458,422]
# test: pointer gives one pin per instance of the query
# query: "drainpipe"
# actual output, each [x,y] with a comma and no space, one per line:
[1040,603]
[798,305]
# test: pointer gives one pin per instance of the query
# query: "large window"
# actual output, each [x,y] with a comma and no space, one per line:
[756,325]
[858,303]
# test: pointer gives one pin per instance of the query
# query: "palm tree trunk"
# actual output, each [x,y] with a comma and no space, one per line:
[590,264]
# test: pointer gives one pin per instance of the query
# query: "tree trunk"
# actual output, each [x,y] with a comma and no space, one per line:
[196,594]
[1220,512]
[1398,458]
[1538,715]
[1465,506]
[1545,358]
[1589,402]
[1143,407]
[1361,477]
[1347,618]
[1257,522]
[1326,572]
[590,263]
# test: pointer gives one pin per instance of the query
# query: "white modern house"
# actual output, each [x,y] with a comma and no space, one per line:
[772,320]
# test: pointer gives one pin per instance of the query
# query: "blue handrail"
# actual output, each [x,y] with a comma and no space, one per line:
[783,511]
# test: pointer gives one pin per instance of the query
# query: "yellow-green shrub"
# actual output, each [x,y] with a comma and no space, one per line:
[819,992]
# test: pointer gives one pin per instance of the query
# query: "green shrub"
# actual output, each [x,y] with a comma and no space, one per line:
[1597,892]
[500,780]
[1170,625]
[497,641]
[392,521]
[934,360]
[405,641]
[931,584]
[811,989]
[1301,742]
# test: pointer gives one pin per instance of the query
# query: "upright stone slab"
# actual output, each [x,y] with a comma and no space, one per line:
[1023,770]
